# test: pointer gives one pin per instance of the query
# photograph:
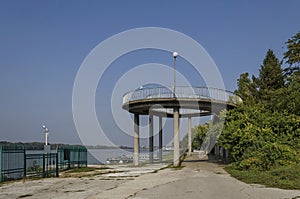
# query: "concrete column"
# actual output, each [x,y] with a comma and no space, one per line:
[226,154]
[176,151]
[151,138]
[160,138]
[136,140]
[217,150]
[190,135]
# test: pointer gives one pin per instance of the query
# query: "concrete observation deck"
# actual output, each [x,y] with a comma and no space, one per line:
[186,102]
[202,99]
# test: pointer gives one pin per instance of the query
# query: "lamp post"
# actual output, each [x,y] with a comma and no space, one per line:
[46,134]
[175,54]
[47,150]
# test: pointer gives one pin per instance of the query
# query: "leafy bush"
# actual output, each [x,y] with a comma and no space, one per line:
[269,156]
[260,139]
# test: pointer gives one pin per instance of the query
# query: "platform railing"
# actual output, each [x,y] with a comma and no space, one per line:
[214,94]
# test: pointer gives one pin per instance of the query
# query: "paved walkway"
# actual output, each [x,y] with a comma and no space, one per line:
[198,179]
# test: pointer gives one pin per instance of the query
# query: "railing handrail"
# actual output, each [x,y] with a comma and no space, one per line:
[181,93]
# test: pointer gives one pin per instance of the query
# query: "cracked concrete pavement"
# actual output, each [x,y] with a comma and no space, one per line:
[198,179]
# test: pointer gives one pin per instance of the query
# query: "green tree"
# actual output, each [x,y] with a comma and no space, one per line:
[292,55]
[246,88]
[270,74]
[259,138]
[264,131]
[199,133]
[290,96]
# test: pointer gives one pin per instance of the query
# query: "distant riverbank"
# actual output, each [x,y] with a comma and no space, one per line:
[40,145]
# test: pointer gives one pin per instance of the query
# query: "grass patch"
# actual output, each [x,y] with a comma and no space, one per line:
[82,169]
[86,169]
[175,167]
[284,177]
[101,168]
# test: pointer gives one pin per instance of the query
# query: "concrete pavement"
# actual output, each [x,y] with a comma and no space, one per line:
[198,179]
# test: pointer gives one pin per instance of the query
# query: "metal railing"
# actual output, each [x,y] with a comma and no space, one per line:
[182,93]
[41,165]
[12,162]
[71,157]
[17,163]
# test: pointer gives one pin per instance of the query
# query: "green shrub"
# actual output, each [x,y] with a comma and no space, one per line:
[268,156]
[284,177]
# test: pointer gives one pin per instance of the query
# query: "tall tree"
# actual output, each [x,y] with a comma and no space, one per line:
[246,89]
[292,55]
[270,74]
[265,133]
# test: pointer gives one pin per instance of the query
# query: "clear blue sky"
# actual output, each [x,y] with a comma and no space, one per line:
[43,43]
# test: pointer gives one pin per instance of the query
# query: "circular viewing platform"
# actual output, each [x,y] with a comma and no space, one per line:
[191,101]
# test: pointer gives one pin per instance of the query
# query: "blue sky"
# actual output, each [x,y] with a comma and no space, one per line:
[43,43]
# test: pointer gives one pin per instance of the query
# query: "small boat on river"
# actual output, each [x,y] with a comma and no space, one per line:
[123,159]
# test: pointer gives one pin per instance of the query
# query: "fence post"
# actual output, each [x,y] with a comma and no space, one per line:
[69,160]
[24,175]
[44,166]
[78,160]
[1,178]
[57,175]
[85,156]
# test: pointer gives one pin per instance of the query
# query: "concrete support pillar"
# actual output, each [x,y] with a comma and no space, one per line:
[176,151]
[226,154]
[160,138]
[190,135]
[151,138]
[136,139]
[217,150]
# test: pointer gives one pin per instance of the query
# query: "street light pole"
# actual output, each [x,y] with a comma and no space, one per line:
[47,150]
[175,54]
[46,134]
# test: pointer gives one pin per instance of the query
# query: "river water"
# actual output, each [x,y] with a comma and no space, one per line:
[99,156]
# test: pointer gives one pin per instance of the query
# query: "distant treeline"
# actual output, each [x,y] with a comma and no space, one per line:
[34,145]
[40,145]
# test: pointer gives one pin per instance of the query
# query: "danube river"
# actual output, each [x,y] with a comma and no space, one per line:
[98,156]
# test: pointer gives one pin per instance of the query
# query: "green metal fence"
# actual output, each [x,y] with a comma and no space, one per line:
[15,163]
[42,165]
[11,161]
[1,163]
[71,157]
